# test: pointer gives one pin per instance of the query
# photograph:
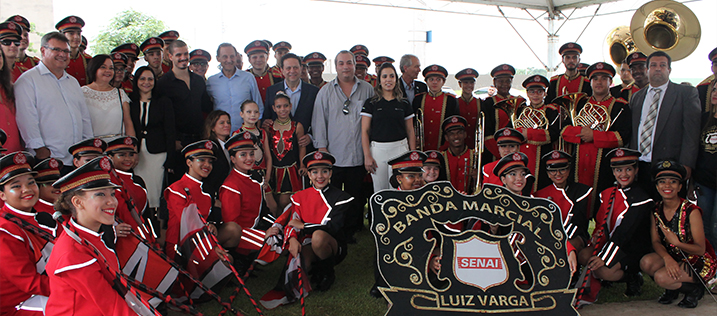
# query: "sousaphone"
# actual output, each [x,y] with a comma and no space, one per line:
[665,25]
[620,44]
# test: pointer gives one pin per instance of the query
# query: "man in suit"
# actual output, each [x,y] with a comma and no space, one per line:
[302,95]
[410,68]
[665,121]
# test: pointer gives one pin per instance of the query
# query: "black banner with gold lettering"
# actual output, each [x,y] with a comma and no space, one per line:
[443,253]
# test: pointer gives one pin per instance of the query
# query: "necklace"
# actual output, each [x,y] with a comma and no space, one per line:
[284,122]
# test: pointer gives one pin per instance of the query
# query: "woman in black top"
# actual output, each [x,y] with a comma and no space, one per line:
[706,170]
[153,120]
[386,127]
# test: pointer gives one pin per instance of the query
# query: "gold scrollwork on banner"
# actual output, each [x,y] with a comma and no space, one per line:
[407,258]
[548,260]
[392,207]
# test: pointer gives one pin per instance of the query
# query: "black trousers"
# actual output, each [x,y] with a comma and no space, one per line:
[350,180]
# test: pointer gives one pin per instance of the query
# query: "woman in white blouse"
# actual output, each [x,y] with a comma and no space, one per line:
[108,106]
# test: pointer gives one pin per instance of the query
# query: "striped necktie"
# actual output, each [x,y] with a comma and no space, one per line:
[646,134]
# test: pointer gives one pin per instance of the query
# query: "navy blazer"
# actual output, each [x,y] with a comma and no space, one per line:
[418,87]
[305,108]
[677,130]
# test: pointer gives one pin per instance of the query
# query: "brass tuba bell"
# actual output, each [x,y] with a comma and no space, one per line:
[665,25]
[510,105]
[620,44]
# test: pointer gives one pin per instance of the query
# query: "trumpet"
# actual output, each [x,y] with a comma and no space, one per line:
[418,126]
[479,147]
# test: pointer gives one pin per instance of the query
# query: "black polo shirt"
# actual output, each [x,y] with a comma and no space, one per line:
[190,105]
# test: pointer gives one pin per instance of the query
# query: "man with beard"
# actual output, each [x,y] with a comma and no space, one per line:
[189,96]
[665,121]
[168,37]
[71,27]
[571,81]
[152,50]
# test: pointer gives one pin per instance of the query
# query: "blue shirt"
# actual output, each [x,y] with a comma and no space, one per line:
[51,112]
[229,93]
[294,96]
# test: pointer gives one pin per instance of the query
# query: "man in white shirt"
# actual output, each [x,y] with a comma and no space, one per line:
[51,110]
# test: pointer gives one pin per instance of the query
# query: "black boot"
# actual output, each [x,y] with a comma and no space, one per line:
[693,292]
[325,270]
[668,297]
[634,284]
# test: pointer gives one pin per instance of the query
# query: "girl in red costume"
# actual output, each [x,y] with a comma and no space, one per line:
[82,268]
[285,152]
[26,239]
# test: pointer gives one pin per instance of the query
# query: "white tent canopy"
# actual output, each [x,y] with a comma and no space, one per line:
[543,5]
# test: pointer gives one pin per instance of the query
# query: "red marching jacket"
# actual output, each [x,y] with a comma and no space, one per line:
[177,200]
[79,281]
[24,259]
[242,201]
[318,209]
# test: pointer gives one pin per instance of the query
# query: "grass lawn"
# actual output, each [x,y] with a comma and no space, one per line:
[354,277]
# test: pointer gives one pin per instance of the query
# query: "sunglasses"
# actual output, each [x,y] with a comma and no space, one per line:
[345,110]
[10,42]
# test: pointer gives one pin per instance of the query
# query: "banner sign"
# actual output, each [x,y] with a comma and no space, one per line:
[512,261]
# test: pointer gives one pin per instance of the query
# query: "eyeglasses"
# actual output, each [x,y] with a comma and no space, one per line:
[58,50]
[10,42]
[345,110]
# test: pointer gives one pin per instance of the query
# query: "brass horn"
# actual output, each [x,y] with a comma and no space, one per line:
[567,104]
[620,44]
[665,25]
[510,105]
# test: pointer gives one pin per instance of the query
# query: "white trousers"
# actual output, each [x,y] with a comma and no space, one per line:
[382,153]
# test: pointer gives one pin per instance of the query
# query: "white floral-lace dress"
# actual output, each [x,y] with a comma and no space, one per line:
[105,110]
